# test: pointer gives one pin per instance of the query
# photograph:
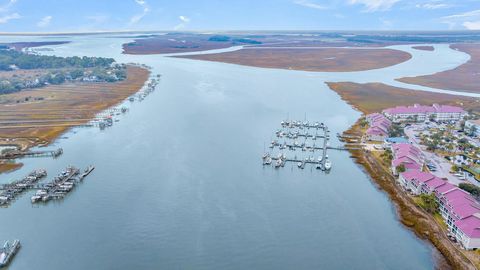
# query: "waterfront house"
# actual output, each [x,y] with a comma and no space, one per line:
[460,212]
[418,182]
[467,232]
[378,127]
[408,163]
[407,155]
[407,150]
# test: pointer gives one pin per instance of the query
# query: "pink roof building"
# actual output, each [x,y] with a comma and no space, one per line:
[468,231]
[422,113]
[419,182]
[379,126]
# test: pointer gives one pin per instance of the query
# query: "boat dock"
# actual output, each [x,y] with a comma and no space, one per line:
[13,154]
[147,89]
[8,251]
[307,137]
[9,192]
[61,185]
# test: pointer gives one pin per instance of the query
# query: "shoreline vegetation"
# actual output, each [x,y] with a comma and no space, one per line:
[19,46]
[36,117]
[424,225]
[309,59]
[463,78]
[373,97]
[20,70]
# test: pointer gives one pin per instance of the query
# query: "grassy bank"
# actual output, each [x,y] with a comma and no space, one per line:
[410,214]
[37,117]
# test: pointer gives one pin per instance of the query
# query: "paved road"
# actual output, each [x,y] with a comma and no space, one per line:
[443,166]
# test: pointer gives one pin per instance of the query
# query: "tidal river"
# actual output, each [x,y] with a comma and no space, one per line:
[179,182]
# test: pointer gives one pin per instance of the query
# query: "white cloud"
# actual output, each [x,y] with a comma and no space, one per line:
[184,21]
[472,25]
[469,20]
[309,4]
[468,14]
[433,5]
[138,17]
[375,5]
[45,21]
[9,17]
[7,6]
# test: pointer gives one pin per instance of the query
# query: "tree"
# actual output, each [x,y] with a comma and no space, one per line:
[387,156]
[455,168]
[401,168]
[396,130]
[429,203]
[470,188]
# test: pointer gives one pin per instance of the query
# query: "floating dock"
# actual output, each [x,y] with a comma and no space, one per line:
[8,251]
[61,185]
[307,137]
[9,192]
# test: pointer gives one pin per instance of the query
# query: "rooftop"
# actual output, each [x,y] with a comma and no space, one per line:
[469,226]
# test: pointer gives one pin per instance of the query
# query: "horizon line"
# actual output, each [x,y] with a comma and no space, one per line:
[218,31]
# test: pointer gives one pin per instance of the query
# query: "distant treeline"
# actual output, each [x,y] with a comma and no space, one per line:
[220,38]
[11,59]
[56,70]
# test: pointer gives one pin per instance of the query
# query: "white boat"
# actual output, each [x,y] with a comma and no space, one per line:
[328,164]
[278,163]
[268,161]
[320,158]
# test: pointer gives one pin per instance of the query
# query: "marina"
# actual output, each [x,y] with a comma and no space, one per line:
[307,137]
[61,185]
[8,251]
[10,192]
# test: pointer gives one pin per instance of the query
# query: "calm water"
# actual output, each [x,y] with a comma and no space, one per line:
[179,182]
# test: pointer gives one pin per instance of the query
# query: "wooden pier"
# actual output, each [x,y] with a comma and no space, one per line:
[20,154]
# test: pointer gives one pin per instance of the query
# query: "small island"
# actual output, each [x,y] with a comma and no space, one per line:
[424,48]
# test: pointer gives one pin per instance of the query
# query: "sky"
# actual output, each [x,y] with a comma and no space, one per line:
[184,15]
